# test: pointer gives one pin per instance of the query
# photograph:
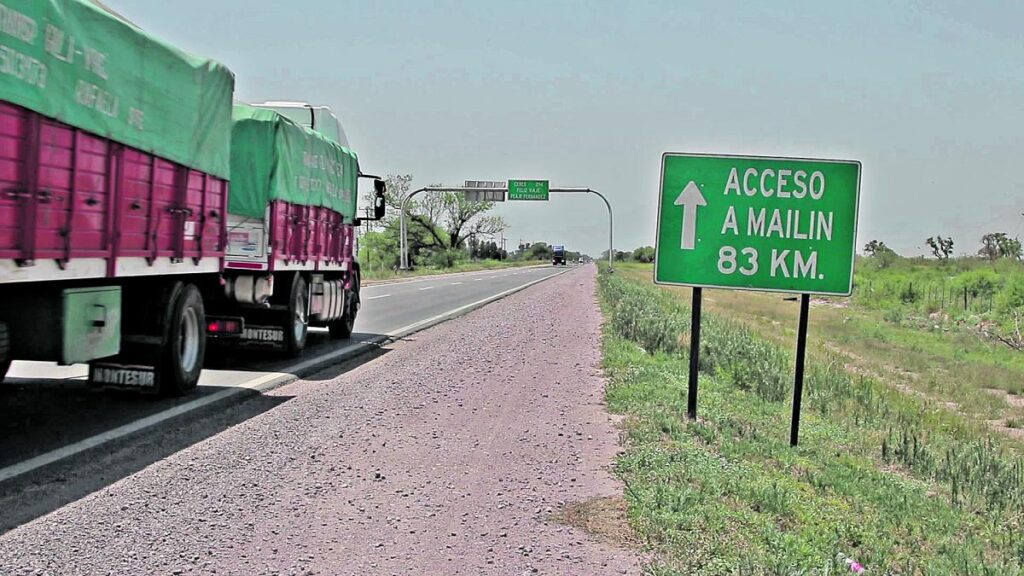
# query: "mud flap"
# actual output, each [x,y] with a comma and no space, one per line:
[265,337]
[107,374]
[137,367]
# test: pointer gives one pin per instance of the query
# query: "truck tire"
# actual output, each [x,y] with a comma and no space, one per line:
[5,350]
[342,327]
[296,326]
[181,360]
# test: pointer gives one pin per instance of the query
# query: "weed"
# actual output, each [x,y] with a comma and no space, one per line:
[880,475]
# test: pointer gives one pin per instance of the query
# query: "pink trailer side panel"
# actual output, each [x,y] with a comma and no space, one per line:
[310,236]
[66,194]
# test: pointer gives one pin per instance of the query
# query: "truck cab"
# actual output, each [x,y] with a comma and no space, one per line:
[319,118]
[558,255]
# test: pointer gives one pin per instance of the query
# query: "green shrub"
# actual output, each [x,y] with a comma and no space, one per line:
[446,258]
[746,360]
[979,283]
[1011,297]
[641,315]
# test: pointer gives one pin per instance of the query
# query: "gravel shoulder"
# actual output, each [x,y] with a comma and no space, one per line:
[449,454]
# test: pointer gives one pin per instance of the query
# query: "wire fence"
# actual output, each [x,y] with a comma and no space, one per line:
[935,296]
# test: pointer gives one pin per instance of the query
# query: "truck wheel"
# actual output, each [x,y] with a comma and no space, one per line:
[185,346]
[296,326]
[5,350]
[342,327]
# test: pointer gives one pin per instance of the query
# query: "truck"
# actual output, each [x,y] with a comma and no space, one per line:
[144,214]
[557,255]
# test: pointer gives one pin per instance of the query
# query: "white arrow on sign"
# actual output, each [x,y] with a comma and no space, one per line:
[690,198]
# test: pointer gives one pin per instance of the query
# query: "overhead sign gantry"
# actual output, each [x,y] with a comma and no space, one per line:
[498,191]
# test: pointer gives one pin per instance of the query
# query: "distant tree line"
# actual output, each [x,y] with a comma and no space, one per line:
[994,246]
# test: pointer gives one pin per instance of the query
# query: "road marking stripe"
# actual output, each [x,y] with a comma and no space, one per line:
[456,283]
[375,297]
[262,383]
[427,288]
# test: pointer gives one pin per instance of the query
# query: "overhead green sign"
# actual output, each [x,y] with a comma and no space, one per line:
[757,223]
[527,189]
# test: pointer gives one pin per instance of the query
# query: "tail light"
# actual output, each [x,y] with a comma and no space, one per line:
[224,326]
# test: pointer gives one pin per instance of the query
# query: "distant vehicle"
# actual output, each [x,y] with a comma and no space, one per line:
[558,255]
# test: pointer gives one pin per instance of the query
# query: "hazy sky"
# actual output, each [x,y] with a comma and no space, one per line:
[587,93]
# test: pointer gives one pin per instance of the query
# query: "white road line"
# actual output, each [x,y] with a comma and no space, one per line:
[477,279]
[427,288]
[456,283]
[261,383]
[375,297]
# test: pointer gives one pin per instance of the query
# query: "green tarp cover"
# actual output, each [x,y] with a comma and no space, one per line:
[273,158]
[74,61]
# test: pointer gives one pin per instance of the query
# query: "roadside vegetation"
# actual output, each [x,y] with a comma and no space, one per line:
[900,467]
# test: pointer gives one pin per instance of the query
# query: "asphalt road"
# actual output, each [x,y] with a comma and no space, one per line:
[460,449]
[48,413]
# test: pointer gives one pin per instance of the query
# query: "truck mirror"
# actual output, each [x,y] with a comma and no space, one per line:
[378,200]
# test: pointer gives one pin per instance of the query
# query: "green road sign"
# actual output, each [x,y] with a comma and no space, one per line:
[756,223]
[527,189]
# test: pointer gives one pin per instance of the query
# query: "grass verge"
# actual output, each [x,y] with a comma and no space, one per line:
[889,479]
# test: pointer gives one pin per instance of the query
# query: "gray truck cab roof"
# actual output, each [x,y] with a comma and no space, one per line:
[319,118]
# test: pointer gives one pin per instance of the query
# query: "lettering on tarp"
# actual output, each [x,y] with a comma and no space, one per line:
[17,25]
[62,49]
[14,63]
[323,176]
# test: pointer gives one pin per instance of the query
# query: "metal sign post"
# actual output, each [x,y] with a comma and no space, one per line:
[691,396]
[757,223]
[798,384]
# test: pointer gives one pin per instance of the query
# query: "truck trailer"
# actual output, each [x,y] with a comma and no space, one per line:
[142,212]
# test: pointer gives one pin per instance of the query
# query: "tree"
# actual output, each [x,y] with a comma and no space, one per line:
[941,247]
[487,250]
[882,255]
[876,247]
[538,251]
[1010,248]
[644,254]
[998,245]
[378,250]
[437,222]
